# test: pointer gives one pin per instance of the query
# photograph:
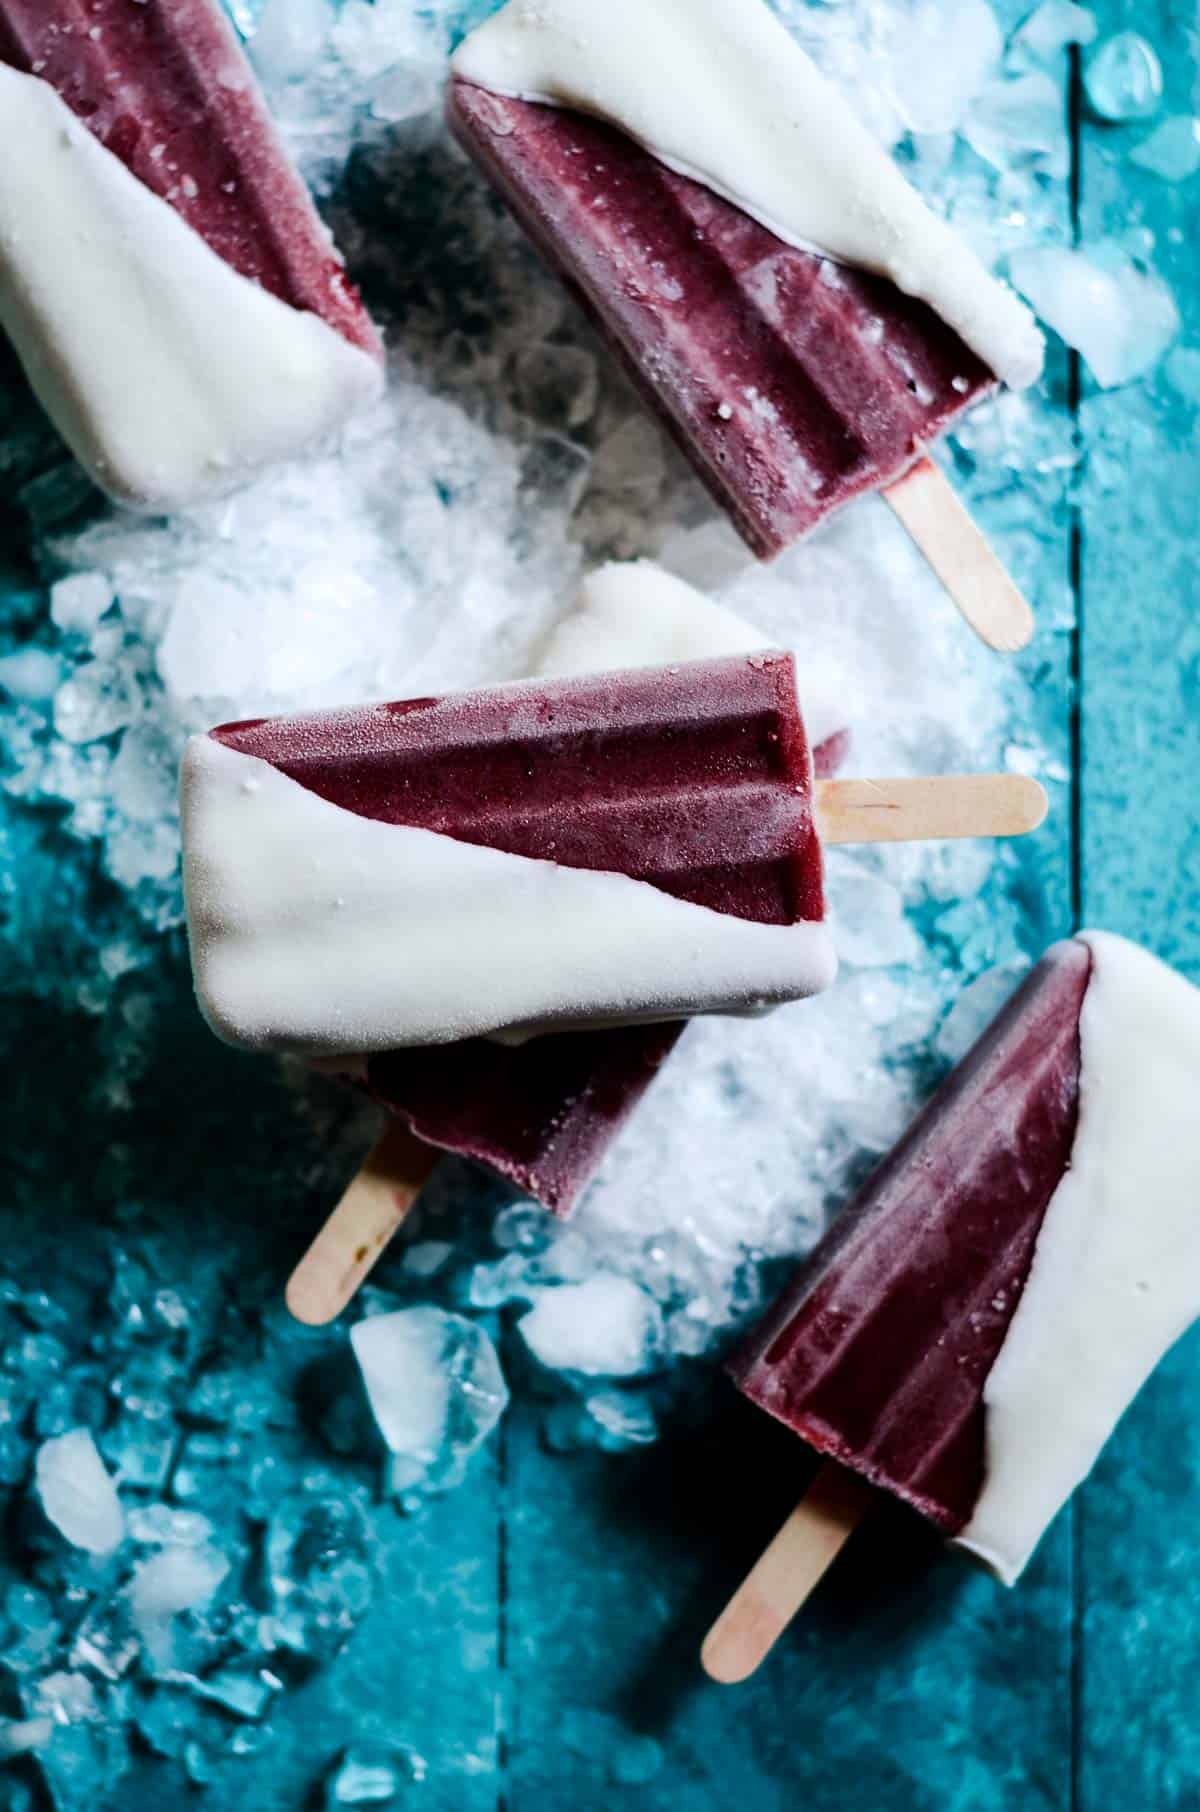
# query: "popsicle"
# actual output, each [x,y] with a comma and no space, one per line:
[541,1114]
[971,1329]
[550,855]
[177,303]
[802,323]
[553,854]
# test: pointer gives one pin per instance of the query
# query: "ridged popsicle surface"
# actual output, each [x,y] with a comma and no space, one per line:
[878,1354]
[792,383]
[165,86]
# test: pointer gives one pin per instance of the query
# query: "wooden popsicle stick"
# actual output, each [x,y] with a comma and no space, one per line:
[786,1574]
[962,557]
[357,1233]
[915,811]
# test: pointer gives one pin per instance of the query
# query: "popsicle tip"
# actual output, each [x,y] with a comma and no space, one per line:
[726,1657]
[308,1302]
[1012,628]
[1031,802]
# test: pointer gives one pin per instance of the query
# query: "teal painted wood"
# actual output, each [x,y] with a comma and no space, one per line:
[1139,1590]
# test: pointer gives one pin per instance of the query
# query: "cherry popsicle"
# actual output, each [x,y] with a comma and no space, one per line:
[599,850]
[541,1114]
[685,215]
[969,1331]
[215,329]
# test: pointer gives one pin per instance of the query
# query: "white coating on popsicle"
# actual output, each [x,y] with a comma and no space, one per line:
[317,931]
[171,376]
[720,91]
[636,614]
[632,613]
[1116,1270]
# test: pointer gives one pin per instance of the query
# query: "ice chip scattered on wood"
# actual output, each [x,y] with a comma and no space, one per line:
[1123,78]
[605,1327]
[169,1582]
[436,1390]
[1121,317]
[1172,150]
[936,74]
[1054,25]
[77,1493]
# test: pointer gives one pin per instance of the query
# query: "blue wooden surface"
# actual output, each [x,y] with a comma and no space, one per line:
[1137,1590]
[535,1639]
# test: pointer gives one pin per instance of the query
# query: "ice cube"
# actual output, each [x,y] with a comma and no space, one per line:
[428,1257]
[99,698]
[77,1493]
[869,926]
[90,1745]
[321,1571]
[31,674]
[244,1691]
[144,775]
[1183,370]
[1123,78]
[142,851]
[936,73]
[18,1736]
[605,1327]
[1121,317]
[407,91]
[162,1525]
[1021,118]
[67,1698]
[32,1628]
[373,1775]
[372,36]
[1172,150]
[289,37]
[522,1227]
[975,1008]
[363,1780]
[78,602]
[436,1391]
[1053,26]
[616,1421]
[173,1580]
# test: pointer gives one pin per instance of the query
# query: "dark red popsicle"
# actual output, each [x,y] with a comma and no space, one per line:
[544,1113]
[792,384]
[165,86]
[695,778]
[878,1354]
